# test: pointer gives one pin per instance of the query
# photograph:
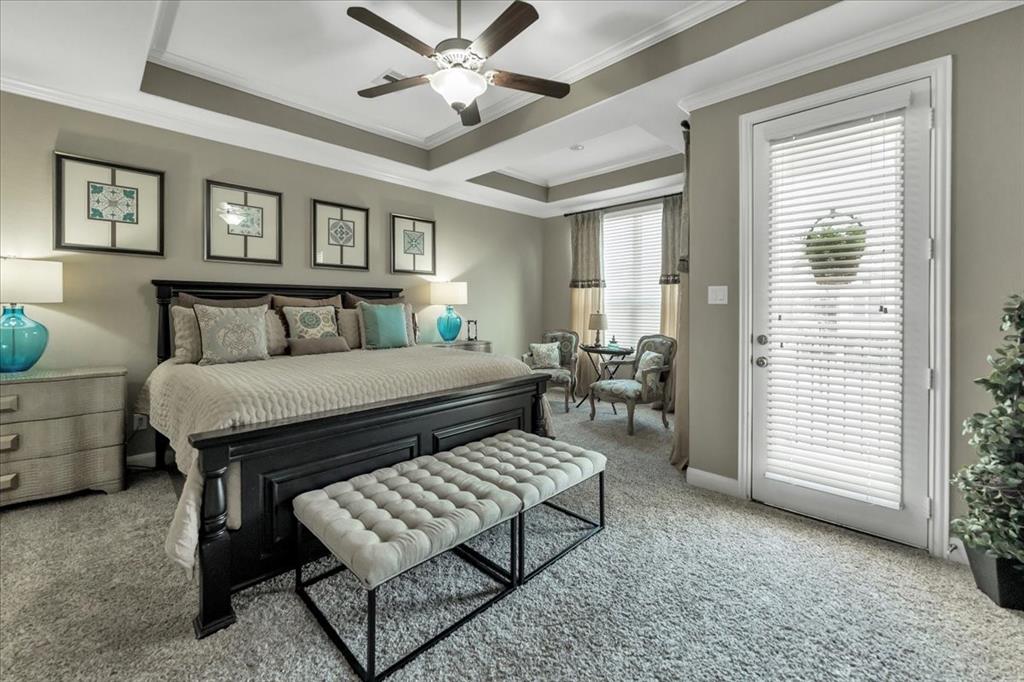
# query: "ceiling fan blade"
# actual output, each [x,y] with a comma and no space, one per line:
[518,81]
[394,86]
[381,25]
[511,23]
[470,115]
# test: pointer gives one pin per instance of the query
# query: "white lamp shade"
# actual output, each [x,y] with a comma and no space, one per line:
[598,321]
[458,86]
[31,281]
[449,293]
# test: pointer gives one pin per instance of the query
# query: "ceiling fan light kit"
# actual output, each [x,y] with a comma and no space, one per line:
[458,78]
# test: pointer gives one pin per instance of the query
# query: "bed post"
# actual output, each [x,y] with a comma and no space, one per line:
[163,325]
[538,426]
[214,561]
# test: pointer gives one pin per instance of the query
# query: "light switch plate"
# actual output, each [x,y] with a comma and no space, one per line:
[718,295]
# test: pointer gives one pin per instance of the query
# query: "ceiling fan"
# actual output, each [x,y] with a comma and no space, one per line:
[458,77]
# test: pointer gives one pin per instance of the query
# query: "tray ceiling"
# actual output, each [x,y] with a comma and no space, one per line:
[312,56]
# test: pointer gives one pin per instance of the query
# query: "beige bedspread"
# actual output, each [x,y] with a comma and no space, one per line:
[182,399]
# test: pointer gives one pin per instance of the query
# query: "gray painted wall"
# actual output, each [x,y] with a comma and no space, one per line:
[987,221]
[109,313]
[557,272]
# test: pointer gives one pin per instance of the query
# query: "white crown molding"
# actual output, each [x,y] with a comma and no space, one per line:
[942,18]
[624,162]
[692,15]
[525,177]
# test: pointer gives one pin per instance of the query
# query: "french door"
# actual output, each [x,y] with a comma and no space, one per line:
[841,312]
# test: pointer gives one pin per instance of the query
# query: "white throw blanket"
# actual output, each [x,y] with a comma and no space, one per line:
[182,399]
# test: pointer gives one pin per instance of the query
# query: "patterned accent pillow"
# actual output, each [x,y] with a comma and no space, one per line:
[311,323]
[649,360]
[232,334]
[545,355]
[188,344]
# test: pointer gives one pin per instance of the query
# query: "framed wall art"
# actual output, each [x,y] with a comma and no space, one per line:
[340,236]
[242,224]
[105,206]
[413,243]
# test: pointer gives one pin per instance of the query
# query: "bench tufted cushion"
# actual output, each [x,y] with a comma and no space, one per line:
[532,467]
[384,523]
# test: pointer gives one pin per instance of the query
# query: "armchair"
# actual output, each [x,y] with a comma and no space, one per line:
[648,383]
[565,375]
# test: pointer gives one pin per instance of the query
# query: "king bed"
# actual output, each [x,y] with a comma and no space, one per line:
[250,436]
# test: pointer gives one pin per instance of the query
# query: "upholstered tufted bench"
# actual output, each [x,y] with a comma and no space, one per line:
[535,469]
[381,524]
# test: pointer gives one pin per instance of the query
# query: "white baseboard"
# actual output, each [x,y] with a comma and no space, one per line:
[710,481]
[142,459]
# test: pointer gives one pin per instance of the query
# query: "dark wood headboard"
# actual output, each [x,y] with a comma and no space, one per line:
[167,289]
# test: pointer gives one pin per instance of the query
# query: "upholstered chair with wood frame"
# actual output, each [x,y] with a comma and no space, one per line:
[652,365]
[565,374]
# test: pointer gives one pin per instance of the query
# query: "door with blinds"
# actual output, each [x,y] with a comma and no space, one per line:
[841,312]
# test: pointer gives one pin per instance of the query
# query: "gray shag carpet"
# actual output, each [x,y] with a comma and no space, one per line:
[683,584]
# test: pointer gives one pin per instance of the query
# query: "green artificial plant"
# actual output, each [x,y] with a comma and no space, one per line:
[994,486]
[834,246]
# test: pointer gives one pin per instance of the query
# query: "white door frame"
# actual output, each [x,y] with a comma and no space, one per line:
[940,72]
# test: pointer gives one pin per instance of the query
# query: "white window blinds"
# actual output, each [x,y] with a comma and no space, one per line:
[632,268]
[835,303]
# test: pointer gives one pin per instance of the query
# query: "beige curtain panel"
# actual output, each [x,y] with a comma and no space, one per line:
[587,287]
[681,446]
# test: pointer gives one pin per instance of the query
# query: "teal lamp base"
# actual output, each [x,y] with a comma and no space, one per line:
[449,325]
[22,340]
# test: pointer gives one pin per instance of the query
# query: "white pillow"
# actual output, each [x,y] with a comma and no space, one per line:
[232,334]
[546,355]
[649,360]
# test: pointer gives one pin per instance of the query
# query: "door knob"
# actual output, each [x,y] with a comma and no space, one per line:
[761,361]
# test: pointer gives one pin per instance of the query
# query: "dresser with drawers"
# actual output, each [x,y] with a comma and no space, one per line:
[61,431]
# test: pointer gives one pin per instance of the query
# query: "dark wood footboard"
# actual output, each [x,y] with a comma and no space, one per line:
[281,459]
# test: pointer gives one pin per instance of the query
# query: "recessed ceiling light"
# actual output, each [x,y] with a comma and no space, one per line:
[576,148]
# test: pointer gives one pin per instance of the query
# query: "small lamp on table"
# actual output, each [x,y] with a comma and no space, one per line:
[22,339]
[449,294]
[598,322]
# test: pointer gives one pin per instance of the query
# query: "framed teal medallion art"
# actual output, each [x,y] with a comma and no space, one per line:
[243,224]
[106,206]
[413,241]
[341,237]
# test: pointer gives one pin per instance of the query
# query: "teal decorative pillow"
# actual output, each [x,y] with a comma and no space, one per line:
[384,326]
[232,334]
[546,355]
[649,360]
[311,323]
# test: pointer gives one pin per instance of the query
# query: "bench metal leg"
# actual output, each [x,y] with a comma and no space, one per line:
[595,528]
[508,578]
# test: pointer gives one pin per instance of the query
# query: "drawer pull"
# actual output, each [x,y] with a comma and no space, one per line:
[9,403]
[8,481]
[9,442]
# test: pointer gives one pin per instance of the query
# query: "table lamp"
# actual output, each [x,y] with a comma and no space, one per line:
[598,322]
[449,294]
[22,339]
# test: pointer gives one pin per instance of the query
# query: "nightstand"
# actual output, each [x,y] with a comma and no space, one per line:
[61,430]
[478,346]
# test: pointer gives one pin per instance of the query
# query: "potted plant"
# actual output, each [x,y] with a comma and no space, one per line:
[993,487]
[833,247]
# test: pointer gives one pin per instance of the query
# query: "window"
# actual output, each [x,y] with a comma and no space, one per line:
[632,268]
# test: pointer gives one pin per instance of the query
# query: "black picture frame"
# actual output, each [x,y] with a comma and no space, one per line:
[395,245]
[60,242]
[208,255]
[313,235]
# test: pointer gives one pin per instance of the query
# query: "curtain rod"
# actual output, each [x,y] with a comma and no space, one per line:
[628,203]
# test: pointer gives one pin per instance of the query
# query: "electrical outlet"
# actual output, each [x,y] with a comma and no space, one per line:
[140,422]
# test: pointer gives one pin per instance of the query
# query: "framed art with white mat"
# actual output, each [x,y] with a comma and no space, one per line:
[413,245]
[242,224]
[340,236]
[109,207]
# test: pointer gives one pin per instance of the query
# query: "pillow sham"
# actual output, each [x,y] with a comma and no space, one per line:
[546,355]
[352,301]
[188,344]
[311,323]
[348,326]
[190,301]
[325,344]
[232,334]
[279,302]
[384,326]
[649,360]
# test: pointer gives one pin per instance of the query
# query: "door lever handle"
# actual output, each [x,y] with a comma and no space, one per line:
[761,361]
